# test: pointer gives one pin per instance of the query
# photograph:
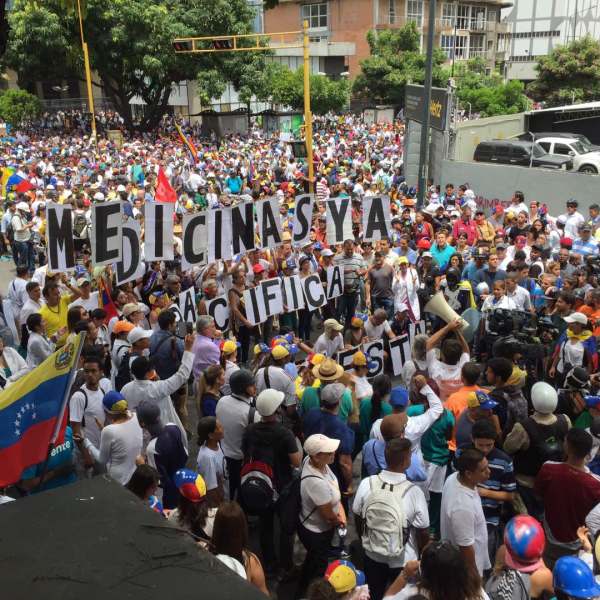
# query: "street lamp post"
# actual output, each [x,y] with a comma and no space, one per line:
[426,108]
[229,43]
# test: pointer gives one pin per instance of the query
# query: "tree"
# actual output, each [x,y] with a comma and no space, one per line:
[488,95]
[130,45]
[326,95]
[17,106]
[395,60]
[569,73]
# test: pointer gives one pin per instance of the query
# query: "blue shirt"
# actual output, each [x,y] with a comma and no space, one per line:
[318,421]
[410,254]
[442,256]
[589,248]
[60,457]
[373,456]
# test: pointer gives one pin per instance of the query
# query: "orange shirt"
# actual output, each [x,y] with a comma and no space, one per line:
[456,404]
[593,315]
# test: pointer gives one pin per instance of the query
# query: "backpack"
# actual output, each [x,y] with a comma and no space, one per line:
[257,482]
[123,375]
[79,226]
[85,403]
[10,232]
[509,585]
[383,516]
[289,505]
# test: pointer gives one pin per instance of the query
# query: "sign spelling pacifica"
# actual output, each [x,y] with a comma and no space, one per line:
[438,107]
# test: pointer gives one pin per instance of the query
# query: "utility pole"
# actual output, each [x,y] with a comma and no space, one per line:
[88,72]
[575,19]
[426,109]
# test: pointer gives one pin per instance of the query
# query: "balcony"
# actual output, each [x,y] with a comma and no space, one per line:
[446,26]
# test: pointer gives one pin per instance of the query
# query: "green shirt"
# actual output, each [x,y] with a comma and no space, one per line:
[434,443]
[584,420]
[365,420]
[311,398]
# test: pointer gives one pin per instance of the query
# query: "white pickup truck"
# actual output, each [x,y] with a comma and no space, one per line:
[585,159]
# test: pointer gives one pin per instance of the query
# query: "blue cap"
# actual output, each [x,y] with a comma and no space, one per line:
[114,402]
[483,401]
[574,578]
[592,401]
[317,246]
[291,263]
[399,396]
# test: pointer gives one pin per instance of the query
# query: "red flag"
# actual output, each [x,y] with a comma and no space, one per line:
[164,191]
[105,301]
[24,186]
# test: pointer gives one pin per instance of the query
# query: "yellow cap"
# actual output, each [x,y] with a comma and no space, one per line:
[359,359]
[229,347]
[279,351]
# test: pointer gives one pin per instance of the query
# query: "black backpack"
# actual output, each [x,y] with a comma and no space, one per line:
[79,225]
[289,505]
[123,375]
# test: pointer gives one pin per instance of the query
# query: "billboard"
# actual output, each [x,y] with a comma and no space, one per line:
[438,107]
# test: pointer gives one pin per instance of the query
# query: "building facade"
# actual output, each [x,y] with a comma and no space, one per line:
[536,27]
[463,29]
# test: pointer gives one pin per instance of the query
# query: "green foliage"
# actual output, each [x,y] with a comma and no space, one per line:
[17,106]
[325,94]
[488,95]
[130,45]
[394,62]
[568,73]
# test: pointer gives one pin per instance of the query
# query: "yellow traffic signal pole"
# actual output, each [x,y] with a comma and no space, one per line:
[229,43]
[88,72]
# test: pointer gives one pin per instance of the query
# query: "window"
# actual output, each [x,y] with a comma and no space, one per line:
[448,14]
[414,11]
[545,146]
[316,15]
[392,12]
[562,149]
[476,45]
[462,20]
[478,14]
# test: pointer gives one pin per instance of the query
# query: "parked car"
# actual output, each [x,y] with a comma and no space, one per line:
[585,159]
[560,134]
[515,152]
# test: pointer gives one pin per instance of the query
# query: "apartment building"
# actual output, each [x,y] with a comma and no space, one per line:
[535,28]
[463,29]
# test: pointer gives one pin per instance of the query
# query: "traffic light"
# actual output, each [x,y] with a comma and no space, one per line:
[183,45]
[223,44]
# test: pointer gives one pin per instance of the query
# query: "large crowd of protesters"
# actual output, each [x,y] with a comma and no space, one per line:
[472,475]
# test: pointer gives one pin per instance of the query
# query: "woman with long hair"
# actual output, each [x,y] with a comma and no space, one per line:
[230,537]
[377,406]
[193,512]
[442,574]
[209,386]
[229,350]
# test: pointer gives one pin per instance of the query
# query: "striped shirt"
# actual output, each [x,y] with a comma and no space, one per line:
[502,479]
[351,265]
[583,248]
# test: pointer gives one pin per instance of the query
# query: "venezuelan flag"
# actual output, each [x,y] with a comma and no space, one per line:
[187,142]
[33,411]
[105,301]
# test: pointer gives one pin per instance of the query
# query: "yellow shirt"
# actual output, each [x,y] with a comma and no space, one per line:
[56,318]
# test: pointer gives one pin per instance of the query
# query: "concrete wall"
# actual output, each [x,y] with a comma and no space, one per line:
[470,133]
[493,183]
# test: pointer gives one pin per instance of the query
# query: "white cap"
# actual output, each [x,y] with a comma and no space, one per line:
[268,401]
[576,317]
[49,187]
[318,443]
[99,196]
[137,334]
[121,188]
[22,206]
[326,252]
[130,308]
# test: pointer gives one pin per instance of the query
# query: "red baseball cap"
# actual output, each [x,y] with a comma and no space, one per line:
[424,244]
[258,268]
[566,242]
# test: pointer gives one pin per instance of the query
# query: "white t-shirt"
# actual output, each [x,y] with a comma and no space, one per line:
[94,410]
[375,332]
[317,491]
[120,445]
[213,468]
[89,304]
[362,388]
[462,520]
[327,346]
[414,509]
[446,376]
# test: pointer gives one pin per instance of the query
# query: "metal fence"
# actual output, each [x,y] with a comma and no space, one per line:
[63,104]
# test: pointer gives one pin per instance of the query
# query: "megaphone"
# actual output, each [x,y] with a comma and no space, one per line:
[439,307]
